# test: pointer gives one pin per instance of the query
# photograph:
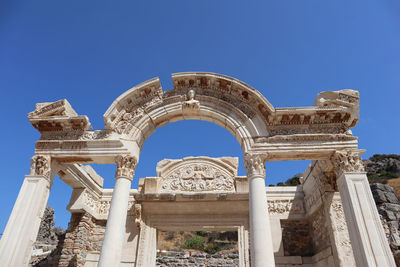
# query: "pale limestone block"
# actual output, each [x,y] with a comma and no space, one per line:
[152,185]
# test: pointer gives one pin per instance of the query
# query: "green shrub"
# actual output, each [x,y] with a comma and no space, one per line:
[194,242]
[212,248]
[200,233]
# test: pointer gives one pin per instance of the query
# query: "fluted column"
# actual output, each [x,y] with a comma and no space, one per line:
[24,222]
[111,250]
[368,240]
[261,249]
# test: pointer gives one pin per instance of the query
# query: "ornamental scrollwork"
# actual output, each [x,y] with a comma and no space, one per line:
[126,166]
[347,162]
[40,166]
[341,232]
[254,165]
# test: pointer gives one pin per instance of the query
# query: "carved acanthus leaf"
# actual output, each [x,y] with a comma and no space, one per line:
[126,166]
[40,166]
[254,165]
[348,161]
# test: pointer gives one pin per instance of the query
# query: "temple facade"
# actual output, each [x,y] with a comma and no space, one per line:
[329,220]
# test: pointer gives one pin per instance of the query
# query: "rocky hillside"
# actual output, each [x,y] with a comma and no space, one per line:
[381,168]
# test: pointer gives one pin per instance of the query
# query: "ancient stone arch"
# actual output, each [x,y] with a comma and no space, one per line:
[320,133]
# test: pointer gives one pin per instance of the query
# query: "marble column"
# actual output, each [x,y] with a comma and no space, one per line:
[261,249]
[24,222]
[370,246]
[111,250]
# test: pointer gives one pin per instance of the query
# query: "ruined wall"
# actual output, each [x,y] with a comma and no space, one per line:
[198,259]
[296,238]
[84,235]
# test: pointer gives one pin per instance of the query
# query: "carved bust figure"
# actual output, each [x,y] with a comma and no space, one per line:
[190,101]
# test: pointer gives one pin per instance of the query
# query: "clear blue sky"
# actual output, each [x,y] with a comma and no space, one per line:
[90,52]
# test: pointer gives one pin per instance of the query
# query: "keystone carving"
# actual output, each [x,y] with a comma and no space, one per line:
[40,166]
[347,161]
[254,165]
[126,166]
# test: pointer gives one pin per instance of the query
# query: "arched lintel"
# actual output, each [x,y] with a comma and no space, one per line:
[220,99]
[220,82]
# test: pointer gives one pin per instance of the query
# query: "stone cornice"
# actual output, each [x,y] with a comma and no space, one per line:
[126,166]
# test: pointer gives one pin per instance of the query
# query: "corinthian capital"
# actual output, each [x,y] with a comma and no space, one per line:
[254,165]
[348,161]
[126,166]
[40,166]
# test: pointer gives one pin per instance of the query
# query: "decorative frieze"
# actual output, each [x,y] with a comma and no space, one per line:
[341,233]
[132,107]
[348,161]
[126,166]
[40,166]
[293,206]
[76,135]
[99,206]
[254,165]
[299,138]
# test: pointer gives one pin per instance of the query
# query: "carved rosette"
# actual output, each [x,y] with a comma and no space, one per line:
[254,165]
[347,162]
[40,166]
[126,166]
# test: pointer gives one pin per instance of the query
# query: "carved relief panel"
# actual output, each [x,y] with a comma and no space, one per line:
[201,174]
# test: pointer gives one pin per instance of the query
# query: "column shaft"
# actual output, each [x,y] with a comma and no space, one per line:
[111,250]
[24,222]
[367,237]
[262,252]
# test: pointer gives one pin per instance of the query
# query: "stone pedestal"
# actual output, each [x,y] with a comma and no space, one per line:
[262,252]
[111,250]
[23,225]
